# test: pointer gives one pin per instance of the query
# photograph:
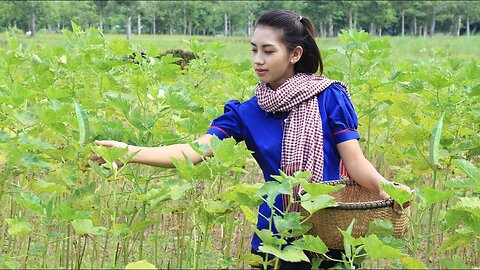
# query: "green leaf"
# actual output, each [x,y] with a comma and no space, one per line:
[216,207]
[288,181]
[313,204]
[311,243]
[185,168]
[316,189]
[83,124]
[140,225]
[43,186]
[251,259]
[470,204]
[380,227]
[250,215]
[76,29]
[435,142]
[227,152]
[31,160]
[289,221]
[18,228]
[8,263]
[102,171]
[142,264]
[377,250]
[400,195]
[26,118]
[432,196]
[461,238]
[29,201]
[416,85]
[268,237]
[27,143]
[462,183]
[85,226]
[413,263]
[167,190]
[243,194]
[455,263]
[110,154]
[65,212]
[348,240]
[468,168]
[289,253]
[271,189]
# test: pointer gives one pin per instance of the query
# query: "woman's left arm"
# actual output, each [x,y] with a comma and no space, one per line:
[359,168]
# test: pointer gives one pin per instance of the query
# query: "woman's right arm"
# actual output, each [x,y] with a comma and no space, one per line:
[160,156]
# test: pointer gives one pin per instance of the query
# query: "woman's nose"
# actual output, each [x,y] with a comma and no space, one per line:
[258,59]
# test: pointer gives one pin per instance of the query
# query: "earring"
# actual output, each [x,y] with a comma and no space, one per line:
[291,61]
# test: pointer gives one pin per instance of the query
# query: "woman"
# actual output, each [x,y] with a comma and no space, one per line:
[295,122]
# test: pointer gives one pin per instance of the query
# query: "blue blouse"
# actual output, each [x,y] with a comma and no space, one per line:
[262,133]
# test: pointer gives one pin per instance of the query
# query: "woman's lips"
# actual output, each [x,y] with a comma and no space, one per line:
[260,72]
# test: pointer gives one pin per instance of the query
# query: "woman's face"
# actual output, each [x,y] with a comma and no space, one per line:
[270,57]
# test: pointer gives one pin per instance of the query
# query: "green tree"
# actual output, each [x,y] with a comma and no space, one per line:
[377,15]
[401,8]
[100,8]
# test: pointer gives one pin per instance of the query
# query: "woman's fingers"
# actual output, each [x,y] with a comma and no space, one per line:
[108,143]
[97,158]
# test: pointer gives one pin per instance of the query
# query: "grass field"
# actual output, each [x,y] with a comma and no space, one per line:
[238,48]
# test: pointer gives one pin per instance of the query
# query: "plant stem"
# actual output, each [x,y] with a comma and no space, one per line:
[105,246]
[26,253]
[68,255]
[430,219]
[240,249]
[142,235]
[114,221]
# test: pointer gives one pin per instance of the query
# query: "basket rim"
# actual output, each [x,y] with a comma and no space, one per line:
[356,205]
[363,205]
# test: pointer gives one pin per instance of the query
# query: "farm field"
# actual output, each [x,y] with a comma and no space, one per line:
[418,105]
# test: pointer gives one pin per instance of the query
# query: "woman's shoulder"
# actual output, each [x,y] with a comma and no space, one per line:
[247,105]
[332,91]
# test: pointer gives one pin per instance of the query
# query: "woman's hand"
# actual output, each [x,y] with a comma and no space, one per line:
[99,159]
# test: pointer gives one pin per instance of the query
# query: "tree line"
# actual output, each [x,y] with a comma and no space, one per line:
[229,18]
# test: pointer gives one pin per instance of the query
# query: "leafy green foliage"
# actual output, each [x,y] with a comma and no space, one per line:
[18,228]
[85,226]
[400,195]
[377,250]
[311,243]
[313,204]
[56,204]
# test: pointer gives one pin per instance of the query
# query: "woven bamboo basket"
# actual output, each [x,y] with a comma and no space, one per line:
[354,202]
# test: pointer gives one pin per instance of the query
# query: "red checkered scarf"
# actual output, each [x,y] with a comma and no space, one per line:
[302,142]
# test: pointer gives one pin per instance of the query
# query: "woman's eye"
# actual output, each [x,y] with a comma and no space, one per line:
[269,52]
[254,50]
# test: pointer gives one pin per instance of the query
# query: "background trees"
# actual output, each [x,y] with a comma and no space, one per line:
[415,18]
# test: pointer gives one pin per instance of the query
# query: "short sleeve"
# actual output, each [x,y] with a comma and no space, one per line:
[229,124]
[342,118]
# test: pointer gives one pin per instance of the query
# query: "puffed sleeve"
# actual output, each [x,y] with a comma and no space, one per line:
[342,118]
[229,124]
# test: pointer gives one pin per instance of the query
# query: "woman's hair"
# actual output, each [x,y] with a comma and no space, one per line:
[297,31]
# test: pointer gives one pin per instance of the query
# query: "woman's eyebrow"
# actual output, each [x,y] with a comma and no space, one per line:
[263,46]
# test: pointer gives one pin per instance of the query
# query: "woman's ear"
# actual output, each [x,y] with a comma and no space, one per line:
[296,54]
